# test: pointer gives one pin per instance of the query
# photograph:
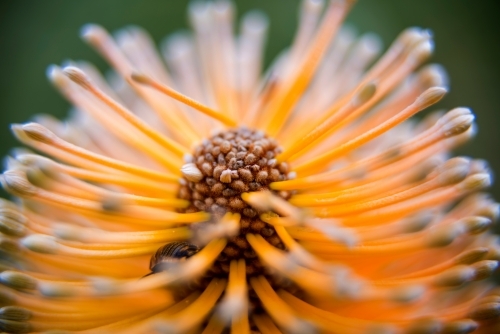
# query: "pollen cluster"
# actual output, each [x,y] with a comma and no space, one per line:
[231,163]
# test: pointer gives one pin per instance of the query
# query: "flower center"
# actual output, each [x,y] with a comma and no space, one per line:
[231,163]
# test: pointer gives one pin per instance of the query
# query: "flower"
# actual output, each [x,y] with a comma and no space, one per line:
[206,197]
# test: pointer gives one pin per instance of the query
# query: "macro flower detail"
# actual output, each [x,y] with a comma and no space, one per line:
[192,194]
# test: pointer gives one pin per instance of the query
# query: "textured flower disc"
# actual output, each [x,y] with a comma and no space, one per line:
[232,163]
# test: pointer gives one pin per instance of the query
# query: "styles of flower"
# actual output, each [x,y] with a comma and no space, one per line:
[203,196]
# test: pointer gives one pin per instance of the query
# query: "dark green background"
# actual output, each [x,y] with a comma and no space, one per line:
[34,34]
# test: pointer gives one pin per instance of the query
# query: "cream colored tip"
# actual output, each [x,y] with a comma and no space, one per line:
[418,222]
[255,22]
[140,78]
[346,236]
[422,51]
[105,285]
[15,313]
[465,326]
[77,76]
[444,236]
[258,200]
[407,294]
[456,121]
[484,269]
[411,36]
[232,306]
[455,276]
[68,232]
[92,32]
[430,97]
[476,224]
[55,290]
[453,171]
[36,132]
[476,182]
[6,211]
[472,256]
[15,181]
[365,93]
[425,325]
[433,75]
[485,311]
[11,226]
[40,243]
[490,210]
[18,280]
[56,76]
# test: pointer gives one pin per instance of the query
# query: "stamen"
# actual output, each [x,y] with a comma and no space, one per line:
[124,140]
[451,173]
[254,26]
[302,143]
[18,280]
[430,76]
[178,50]
[186,271]
[48,245]
[485,311]
[405,42]
[145,80]
[279,311]
[143,322]
[484,269]
[300,255]
[172,117]
[194,314]
[281,105]
[234,305]
[67,185]
[423,146]
[464,258]
[415,52]
[41,134]
[11,326]
[131,182]
[12,223]
[425,325]
[428,98]
[86,318]
[265,324]
[438,237]
[119,268]
[16,182]
[465,326]
[374,215]
[324,319]
[87,235]
[215,326]
[266,201]
[313,282]
[79,77]
[228,226]
[309,15]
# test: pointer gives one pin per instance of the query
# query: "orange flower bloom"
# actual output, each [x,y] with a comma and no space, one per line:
[206,197]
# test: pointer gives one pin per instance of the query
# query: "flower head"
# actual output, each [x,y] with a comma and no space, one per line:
[207,196]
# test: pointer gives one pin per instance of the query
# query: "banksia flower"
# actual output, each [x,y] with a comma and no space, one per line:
[207,198]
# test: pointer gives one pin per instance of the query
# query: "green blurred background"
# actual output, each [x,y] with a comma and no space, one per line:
[34,34]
